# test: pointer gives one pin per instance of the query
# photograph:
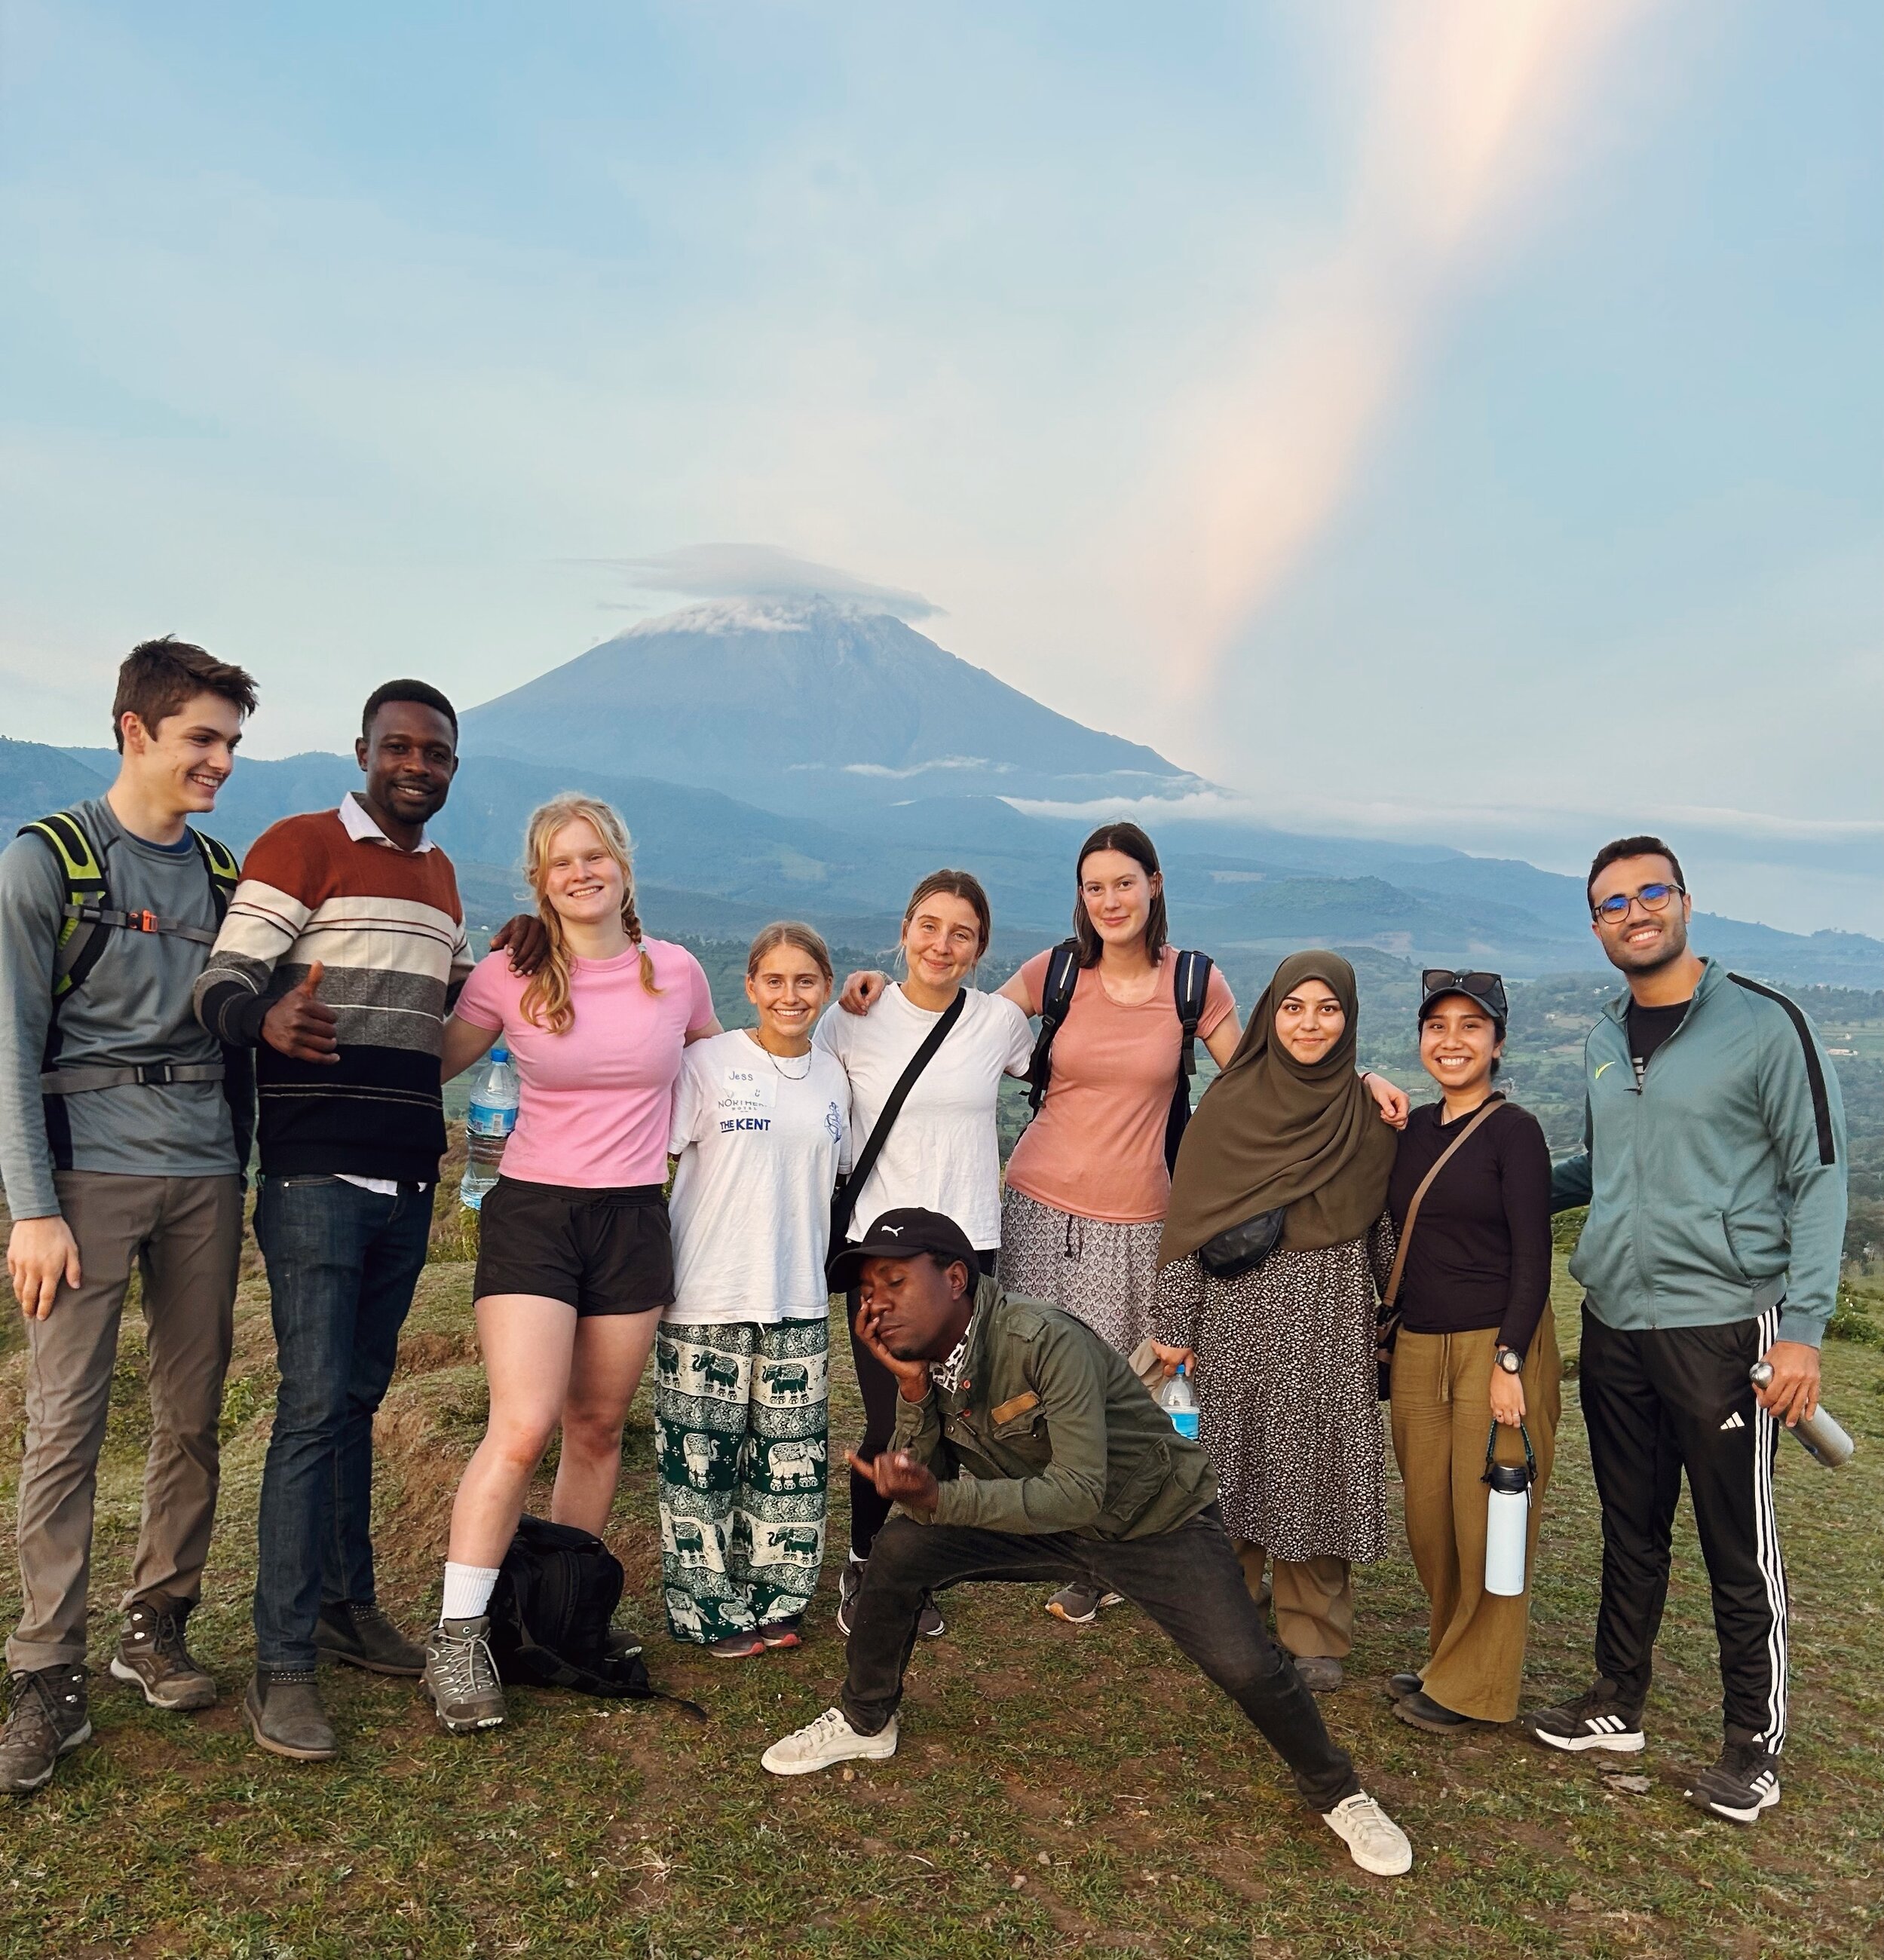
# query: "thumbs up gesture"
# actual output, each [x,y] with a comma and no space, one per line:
[301,1025]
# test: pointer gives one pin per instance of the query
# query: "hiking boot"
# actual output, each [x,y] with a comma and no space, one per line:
[1419,1711]
[151,1655]
[1079,1606]
[364,1637]
[1374,1842]
[46,1715]
[1596,1720]
[850,1582]
[285,1717]
[1320,1673]
[1742,1784]
[828,1740]
[1399,1686]
[461,1676]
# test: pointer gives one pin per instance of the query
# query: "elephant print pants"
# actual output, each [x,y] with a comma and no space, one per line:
[741,1417]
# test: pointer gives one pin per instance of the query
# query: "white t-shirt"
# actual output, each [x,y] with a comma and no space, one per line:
[761,1139]
[944,1152]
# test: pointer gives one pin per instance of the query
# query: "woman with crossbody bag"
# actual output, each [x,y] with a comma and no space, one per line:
[925,1069]
[1474,1366]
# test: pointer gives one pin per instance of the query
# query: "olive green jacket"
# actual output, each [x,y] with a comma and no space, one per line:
[1050,1431]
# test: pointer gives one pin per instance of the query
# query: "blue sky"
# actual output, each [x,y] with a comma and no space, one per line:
[1456,419]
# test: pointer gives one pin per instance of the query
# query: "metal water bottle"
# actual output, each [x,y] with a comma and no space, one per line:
[1507,1516]
[1822,1435]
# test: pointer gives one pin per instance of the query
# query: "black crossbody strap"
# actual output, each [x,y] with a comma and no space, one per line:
[1056,999]
[845,1202]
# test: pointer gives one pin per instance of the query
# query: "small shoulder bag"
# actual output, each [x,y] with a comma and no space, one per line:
[1387,1328]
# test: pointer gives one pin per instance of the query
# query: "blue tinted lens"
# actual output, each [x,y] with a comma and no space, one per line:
[1654,895]
[1614,908]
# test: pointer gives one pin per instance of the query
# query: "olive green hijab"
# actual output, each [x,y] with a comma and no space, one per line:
[1272,1130]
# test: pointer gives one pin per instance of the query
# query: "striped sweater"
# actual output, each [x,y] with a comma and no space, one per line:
[387,927]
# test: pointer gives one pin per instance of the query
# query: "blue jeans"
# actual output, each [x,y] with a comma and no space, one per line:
[341,1265]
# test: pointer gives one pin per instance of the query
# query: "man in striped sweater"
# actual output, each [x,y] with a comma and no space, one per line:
[342,949]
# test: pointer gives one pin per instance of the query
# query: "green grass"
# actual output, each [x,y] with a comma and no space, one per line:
[1057,1789]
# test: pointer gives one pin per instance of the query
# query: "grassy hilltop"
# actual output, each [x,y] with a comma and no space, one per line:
[1056,1788]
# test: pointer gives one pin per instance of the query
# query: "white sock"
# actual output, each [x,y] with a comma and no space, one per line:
[468,1589]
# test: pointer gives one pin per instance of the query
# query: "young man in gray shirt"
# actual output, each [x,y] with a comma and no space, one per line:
[119,1147]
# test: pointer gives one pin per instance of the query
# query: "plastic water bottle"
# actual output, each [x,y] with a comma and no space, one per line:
[1823,1438]
[1178,1402]
[487,1124]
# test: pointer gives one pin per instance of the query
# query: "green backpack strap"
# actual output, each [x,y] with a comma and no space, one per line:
[80,940]
[224,868]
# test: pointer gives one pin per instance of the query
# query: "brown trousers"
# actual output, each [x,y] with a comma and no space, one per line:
[1442,1415]
[1314,1600]
[184,1234]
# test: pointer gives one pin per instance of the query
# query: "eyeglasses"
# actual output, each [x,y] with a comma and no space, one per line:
[1487,989]
[1650,897]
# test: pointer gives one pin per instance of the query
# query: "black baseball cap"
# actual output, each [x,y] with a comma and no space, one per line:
[901,1235]
[1487,989]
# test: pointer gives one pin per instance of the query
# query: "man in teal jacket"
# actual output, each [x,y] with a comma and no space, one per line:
[1713,1166]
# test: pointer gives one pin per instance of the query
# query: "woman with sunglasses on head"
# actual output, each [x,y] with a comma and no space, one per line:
[1475,1357]
[941,1151]
[1282,1342]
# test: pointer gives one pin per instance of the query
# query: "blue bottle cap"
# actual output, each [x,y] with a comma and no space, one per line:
[500,1053]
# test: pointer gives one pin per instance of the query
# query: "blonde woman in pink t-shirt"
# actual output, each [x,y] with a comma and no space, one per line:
[574,1261]
[1087,1184]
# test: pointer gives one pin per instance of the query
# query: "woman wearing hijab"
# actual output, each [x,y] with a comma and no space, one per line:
[1283,1355]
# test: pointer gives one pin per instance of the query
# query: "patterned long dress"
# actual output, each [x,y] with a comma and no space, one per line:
[1286,1392]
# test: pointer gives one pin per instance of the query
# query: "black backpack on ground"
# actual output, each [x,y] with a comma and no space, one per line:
[1190,985]
[551,1615]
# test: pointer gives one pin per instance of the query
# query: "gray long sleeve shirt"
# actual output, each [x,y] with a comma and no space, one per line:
[133,1007]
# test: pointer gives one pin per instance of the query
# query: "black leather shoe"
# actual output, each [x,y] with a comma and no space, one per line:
[364,1637]
[1399,1686]
[1421,1711]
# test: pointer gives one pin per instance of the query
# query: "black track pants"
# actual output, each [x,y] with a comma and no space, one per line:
[1658,1402]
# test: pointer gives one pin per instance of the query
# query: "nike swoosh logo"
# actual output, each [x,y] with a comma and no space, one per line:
[1600,1066]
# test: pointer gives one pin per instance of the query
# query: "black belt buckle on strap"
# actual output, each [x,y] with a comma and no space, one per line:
[155,1074]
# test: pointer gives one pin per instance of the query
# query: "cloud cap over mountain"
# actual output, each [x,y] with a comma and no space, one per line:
[762,571]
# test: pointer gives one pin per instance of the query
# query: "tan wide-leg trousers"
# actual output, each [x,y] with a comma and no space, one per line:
[1442,1414]
[1314,1600]
[185,1234]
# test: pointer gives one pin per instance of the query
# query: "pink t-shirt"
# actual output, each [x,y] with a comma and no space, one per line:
[1097,1148]
[593,1104]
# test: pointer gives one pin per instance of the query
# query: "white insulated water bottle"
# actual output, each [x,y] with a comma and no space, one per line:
[1821,1437]
[1507,1517]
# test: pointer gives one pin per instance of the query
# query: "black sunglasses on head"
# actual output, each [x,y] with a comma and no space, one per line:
[1487,989]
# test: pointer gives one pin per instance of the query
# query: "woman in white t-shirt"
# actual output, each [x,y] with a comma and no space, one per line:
[761,1129]
[943,1151]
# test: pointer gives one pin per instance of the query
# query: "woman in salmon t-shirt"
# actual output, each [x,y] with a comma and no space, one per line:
[574,1260]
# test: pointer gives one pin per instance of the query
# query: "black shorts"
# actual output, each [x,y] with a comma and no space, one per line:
[598,1251]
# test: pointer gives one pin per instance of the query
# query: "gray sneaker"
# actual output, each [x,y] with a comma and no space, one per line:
[461,1677]
[286,1718]
[364,1637]
[151,1655]
[46,1715]
[1079,1606]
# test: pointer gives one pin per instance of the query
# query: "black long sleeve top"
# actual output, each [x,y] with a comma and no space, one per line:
[1480,1254]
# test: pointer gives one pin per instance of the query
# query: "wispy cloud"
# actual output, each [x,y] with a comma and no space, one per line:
[1466,100]
[758,571]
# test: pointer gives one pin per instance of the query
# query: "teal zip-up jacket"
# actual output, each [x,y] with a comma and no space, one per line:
[1717,1188]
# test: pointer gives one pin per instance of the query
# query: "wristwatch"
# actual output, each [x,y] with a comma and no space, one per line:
[1510,1361]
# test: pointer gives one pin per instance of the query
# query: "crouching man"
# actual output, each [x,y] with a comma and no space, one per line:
[1026,1448]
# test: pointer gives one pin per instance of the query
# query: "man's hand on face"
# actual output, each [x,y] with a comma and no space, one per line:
[912,1377]
[526,938]
[900,1479]
[41,1253]
[1793,1393]
[300,1027]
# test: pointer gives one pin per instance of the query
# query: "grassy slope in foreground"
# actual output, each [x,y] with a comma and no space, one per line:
[1056,1788]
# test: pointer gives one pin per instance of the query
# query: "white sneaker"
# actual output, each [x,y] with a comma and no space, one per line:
[1374,1842]
[831,1739]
